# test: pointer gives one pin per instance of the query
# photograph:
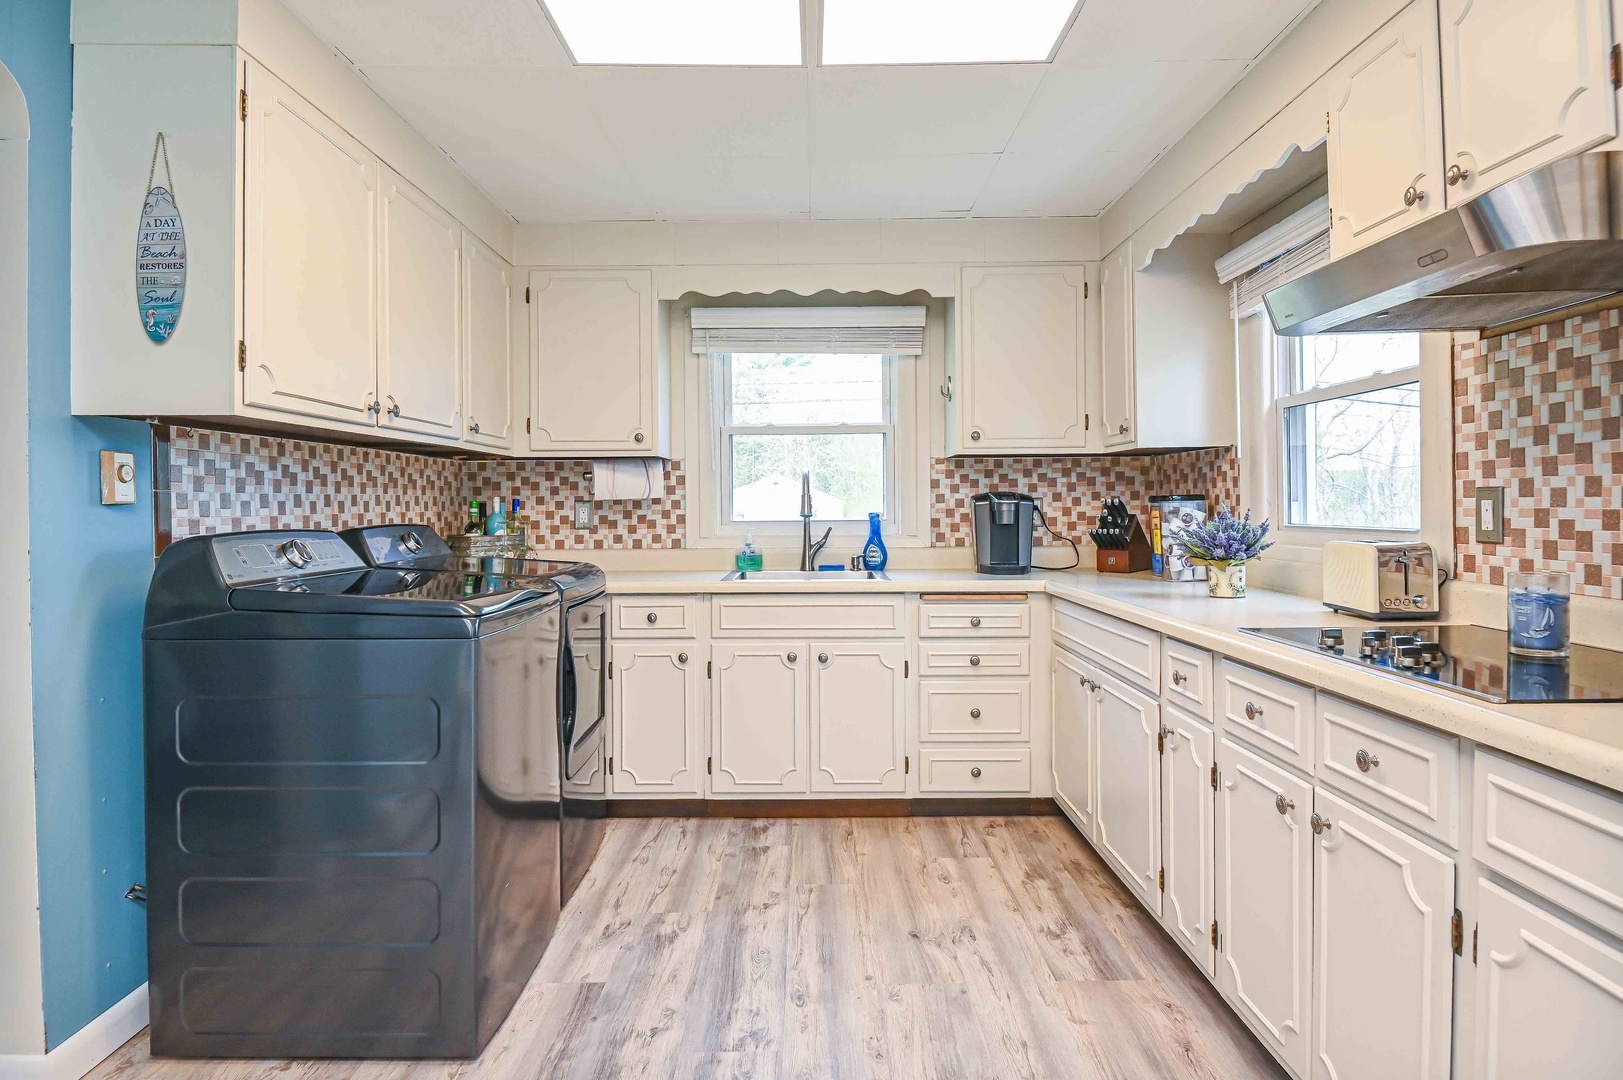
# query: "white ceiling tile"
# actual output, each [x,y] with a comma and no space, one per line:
[957,109]
[1058,182]
[744,112]
[1122,106]
[919,186]
[435,33]
[1177,29]
[687,186]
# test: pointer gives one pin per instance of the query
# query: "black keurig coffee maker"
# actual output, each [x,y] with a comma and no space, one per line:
[1003,524]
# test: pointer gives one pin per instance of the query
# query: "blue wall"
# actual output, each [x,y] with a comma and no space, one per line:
[90,566]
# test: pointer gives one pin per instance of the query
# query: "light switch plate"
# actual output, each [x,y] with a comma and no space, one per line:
[1490,515]
[585,514]
[117,478]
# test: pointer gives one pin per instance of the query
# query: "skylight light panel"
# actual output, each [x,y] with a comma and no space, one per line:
[680,32]
[942,31]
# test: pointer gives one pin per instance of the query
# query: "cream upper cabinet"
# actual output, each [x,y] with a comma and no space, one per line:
[310,274]
[1385,141]
[487,345]
[657,698]
[1383,957]
[858,716]
[758,706]
[1264,899]
[1022,364]
[1073,738]
[1116,348]
[1524,83]
[1127,778]
[596,382]
[420,307]
[1188,800]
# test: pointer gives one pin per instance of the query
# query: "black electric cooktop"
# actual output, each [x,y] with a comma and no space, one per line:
[1473,660]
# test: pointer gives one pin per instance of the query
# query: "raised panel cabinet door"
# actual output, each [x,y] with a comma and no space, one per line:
[1127,770]
[1549,997]
[1023,377]
[1524,83]
[1118,378]
[419,329]
[758,736]
[658,719]
[1073,739]
[1264,899]
[1383,954]
[858,716]
[310,305]
[593,373]
[1386,132]
[1188,832]
[488,346]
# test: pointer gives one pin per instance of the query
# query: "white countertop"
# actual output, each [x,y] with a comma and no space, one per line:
[1583,740]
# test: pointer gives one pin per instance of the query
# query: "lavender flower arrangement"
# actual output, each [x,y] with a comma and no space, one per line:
[1224,539]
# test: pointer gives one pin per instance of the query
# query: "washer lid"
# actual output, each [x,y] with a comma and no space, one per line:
[396,591]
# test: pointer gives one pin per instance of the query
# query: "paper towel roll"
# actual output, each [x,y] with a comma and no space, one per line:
[628,478]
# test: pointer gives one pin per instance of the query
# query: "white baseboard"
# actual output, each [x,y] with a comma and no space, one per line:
[85,1048]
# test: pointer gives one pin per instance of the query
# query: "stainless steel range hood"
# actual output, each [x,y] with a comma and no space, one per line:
[1546,241]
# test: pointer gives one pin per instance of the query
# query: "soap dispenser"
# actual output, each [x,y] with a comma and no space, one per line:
[874,555]
[749,556]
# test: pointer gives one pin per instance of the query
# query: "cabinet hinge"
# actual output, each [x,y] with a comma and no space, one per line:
[611,764]
[1457,933]
[1327,122]
[1214,777]
[907,667]
[242,356]
[611,669]
[1084,290]
[1473,944]
[707,766]
[709,669]
[1617,67]
[526,425]
[242,104]
[1161,879]
[907,764]
[1214,935]
[526,294]
[1161,741]
[1086,422]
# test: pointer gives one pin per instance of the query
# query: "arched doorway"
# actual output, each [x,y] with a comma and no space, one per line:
[21,1022]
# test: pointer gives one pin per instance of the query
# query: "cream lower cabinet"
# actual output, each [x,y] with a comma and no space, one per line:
[1265,900]
[858,717]
[1188,801]
[1383,958]
[1127,779]
[759,718]
[657,693]
[1073,739]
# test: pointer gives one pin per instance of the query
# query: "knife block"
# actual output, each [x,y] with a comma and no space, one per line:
[1129,560]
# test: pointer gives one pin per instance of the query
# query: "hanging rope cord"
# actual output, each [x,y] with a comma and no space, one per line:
[160,144]
[1042,517]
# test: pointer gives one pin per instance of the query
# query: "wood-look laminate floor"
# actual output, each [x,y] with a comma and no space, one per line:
[884,948]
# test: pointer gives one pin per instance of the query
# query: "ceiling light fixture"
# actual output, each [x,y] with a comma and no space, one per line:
[942,31]
[690,33]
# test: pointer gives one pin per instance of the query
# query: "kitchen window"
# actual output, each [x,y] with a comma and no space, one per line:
[1351,421]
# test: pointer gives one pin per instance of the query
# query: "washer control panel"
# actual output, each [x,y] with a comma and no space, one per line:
[247,559]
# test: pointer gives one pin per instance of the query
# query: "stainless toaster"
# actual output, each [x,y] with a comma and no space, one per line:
[1381,579]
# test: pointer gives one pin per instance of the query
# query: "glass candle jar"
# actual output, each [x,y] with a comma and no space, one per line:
[1540,623]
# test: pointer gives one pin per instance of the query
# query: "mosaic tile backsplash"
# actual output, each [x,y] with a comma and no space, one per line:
[1537,413]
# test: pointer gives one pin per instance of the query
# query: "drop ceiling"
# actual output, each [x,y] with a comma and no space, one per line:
[492,84]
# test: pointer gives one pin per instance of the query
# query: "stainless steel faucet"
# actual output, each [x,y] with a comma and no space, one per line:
[808,550]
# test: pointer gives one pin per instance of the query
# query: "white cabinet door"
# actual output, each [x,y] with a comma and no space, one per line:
[858,716]
[1118,403]
[419,331]
[1073,739]
[1264,899]
[758,738]
[1188,801]
[594,379]
[1549,997]
[1383,956]
[1127,772]
[310,308]
[488,346]
[658,719]
[1386,132]
[1524,83]
[1022,381]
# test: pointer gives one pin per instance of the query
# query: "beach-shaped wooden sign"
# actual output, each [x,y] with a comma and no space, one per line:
[160,254]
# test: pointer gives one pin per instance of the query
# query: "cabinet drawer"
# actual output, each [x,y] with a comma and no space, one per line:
[974,770]
[975,620]
[954,710]
[1186,677]
[1132,650]
[818,615]
[1270,713]
[1404,771]
[1559,838]
[656,616]
[975,658]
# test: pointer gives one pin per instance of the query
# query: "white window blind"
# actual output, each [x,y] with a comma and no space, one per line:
[1298,245]
[890,331]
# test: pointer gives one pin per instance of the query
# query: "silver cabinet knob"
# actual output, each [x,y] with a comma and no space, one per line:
[653,617]
[681,658]
[1167,735]
[822,658]
[1283,805]
[975,772]
[638,437]
[1412,196]
[1455,174]
[1122,430]
[1366,760]
[975,436]
[792,657]
[1179,678]
[974,661]
[394,410]
[374,407]
[1318,824]
[974,714]
[974,620]
[1252,710]
[473,427]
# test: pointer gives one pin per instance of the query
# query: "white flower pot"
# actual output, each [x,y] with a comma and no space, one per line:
[1226,581]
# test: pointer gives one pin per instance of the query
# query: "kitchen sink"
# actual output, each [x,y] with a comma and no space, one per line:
[807,575]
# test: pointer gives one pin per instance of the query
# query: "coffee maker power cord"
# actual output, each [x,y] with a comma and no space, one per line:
[1042,517]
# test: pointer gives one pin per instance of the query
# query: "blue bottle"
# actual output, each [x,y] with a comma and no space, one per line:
[874,555]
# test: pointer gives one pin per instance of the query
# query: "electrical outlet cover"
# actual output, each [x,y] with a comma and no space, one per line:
[117,478]
[1490,515]
[585,514]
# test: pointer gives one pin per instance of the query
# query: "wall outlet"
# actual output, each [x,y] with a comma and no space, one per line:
[585,514]
[117,478]
[1490,515]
